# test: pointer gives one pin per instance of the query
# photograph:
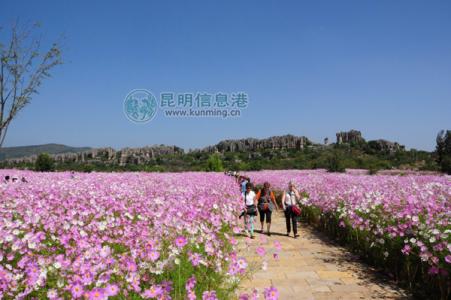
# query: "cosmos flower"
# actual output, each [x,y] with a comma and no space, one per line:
[209,295]
[260,251]
[180,242]
[111,290]
[153,292]
[154,255]
[241,263]
[77,291]
[271,293]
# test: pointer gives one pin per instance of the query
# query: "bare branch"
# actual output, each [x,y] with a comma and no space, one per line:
[23,68]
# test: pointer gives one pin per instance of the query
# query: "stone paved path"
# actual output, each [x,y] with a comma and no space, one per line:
[311,267]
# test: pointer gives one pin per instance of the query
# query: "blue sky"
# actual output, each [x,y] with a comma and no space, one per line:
[310,68]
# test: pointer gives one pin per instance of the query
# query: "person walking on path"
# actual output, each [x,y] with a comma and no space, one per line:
[244,181]
[289,198]
[266,204]
[250,202]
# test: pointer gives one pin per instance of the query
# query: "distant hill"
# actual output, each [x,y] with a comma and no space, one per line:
[23,151]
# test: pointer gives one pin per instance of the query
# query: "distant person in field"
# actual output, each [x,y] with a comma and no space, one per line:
[6,179]
[250,211]
[266,204]
[244,182]
[24,180]
[289,198]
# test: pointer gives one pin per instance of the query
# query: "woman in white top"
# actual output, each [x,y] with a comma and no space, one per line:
[289,198]
[250,202]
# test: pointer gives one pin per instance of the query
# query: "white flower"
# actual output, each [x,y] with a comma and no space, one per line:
[413,240]
[265,266]
[31,245]
[102,226]
[57,265]
[432,240]
[177,261]
[60,283]
[18,276]
[386,254]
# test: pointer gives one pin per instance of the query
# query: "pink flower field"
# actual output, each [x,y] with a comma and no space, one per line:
[172,235]
[127,235]
[402,223]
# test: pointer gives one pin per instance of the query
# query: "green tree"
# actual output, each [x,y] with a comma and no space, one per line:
[44,163]
[443,150]
[335,163]
[214,163]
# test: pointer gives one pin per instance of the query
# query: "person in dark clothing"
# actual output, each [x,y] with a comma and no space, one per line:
[266,204]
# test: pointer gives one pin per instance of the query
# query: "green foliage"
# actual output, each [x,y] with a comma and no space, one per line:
[335,158]
[334,163]
[44,163]
[443,150]
[214,163]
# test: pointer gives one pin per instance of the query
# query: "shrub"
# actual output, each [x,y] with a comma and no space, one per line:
[214,163]
[44,163]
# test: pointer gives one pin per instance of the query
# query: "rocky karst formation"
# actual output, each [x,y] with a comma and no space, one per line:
[386,146]
[355,136]
[109,155]
[252,144]
[347,137]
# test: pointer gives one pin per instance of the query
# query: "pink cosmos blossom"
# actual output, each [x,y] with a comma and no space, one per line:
[244,296]
[242,263]
[271,293]
[260,251]
[209,295]
[277,245]
[406,250]
[190,283]
[77,291]
[97,294]
[111,290]
[154,255]
[180,242]
[194,258]
[52,294]
[153,292]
